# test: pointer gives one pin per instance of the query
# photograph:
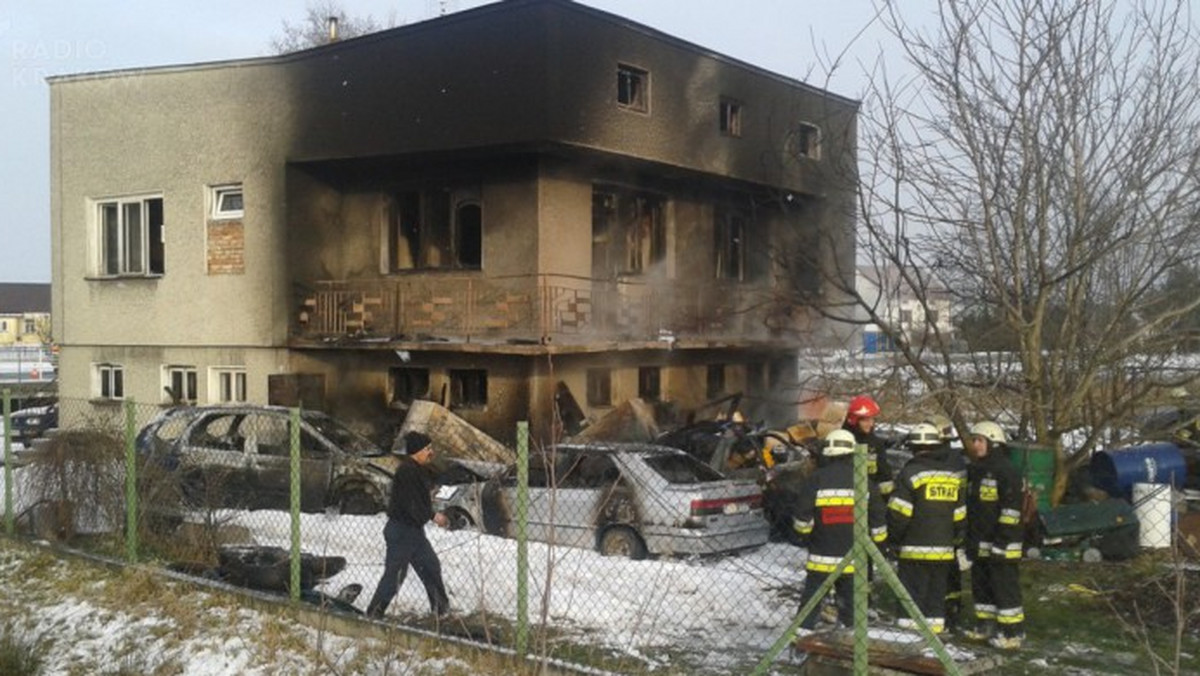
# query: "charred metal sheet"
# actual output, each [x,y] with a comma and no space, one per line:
[453,436]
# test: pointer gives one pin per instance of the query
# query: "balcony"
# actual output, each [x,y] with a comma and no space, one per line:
[532,309]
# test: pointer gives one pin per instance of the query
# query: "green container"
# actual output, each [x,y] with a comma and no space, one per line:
[1036,464]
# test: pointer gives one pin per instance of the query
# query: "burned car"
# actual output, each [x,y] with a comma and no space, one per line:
[239,457]
[620,499]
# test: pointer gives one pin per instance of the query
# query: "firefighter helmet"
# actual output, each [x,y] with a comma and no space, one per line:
[861,406]
[990,431]
[839,442]
[924,435]
[943,424]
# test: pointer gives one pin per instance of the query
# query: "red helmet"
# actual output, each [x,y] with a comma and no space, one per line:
[861,406]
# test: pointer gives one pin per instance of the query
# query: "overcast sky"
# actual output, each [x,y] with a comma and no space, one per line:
[40,39]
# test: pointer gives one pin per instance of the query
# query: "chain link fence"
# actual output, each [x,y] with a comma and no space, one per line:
[627,559]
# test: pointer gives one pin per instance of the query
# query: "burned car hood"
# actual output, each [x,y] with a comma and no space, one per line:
[385,463]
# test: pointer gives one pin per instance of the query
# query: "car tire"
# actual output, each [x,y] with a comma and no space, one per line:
[621,541]
[357,501]
[458,519]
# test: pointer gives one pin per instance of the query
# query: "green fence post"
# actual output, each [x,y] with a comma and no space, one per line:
[10,522]
[522,543]
[131,497]
[862,534]
[294,428]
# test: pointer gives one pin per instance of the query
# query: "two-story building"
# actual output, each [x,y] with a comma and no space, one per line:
[513,210]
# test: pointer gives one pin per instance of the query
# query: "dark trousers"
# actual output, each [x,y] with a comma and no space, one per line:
[407,545]
[954,590]
[843,596]
[996,588]
[926,582]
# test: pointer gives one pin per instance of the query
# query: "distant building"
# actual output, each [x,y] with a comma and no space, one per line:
[532,210]
[901,307]
[24,314]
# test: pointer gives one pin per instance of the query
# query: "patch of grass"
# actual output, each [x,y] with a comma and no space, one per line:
[18,658]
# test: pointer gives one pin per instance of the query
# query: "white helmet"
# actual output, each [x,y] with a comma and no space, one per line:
[839,442]
[924,435]
[990,431]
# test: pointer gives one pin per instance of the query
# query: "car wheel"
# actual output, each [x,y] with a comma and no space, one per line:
[622,542]
[459,519]
[356,501]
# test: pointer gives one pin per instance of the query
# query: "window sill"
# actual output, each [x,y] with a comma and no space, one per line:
[105,401]
[123,278]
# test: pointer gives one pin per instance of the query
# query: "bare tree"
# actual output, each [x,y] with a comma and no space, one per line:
[1040,165]
[314,29]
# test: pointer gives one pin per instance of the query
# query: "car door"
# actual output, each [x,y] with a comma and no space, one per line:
[268,447]
[213,468]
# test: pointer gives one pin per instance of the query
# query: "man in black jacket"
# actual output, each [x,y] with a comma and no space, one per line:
[409,509]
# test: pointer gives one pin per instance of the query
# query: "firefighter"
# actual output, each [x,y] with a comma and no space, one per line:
[994,538]
[860,421]
[955,457]
[824,519]
[926,521]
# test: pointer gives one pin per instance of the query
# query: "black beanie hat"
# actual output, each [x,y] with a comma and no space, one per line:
[415,441]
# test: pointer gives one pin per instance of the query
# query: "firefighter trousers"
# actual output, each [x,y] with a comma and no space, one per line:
[996,588]
[926,582]
[843,596]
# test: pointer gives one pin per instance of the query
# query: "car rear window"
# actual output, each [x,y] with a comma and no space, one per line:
[682,469]
[343,437]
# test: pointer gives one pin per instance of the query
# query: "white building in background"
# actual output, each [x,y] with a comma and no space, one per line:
[901,306]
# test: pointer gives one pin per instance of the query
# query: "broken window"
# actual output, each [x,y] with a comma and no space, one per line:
[806,141]
[179,384]
[628,232]
[430,229]
[715,381]
[756,378]
[730,117]
[729,235]
[649,387]
[131,236]
[468,388]
[633,88]
[599,387]
[408,384]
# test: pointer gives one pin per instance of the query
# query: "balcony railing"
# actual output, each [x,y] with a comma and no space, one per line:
[534,308]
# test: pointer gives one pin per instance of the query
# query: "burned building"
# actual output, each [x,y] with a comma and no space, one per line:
[529,210]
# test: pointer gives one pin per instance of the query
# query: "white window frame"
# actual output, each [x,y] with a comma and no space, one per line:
[227,385]
[108,381]
[729,117]
[186,376]
[217,195]
[633,88]
[30,326]
[133,242]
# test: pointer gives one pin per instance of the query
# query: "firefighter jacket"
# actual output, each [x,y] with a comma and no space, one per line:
[994,507]
[879,471]
[824,514]
[927,513]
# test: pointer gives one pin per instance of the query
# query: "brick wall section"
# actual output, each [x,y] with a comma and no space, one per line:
[226,248]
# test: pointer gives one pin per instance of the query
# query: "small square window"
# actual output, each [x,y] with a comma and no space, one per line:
[408,384]
[649,383]
[633,88]
[599,387]
[108,381]
[730,121]
[227,202]
[227,385]
[468,388]
[179,385]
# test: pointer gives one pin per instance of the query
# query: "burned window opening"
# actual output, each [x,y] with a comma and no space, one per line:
[715,381]
[649,383]
[633,88]
[468,388]
[599,387]
[730,118]
[434,229]
[628,233]
[729,246]
[408,384]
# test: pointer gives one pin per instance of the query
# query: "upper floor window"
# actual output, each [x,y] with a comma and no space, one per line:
[629,234]
[730,117]
[179,385]
[439,228]
[226,201]
[108,381]
[633,88]
[806,141]
[227,384]
[130,236]
[729,242]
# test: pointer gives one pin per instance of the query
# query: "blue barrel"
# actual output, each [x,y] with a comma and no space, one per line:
[1116,471]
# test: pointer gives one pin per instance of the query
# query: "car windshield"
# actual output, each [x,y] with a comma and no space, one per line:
[682,469]
[343,437]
